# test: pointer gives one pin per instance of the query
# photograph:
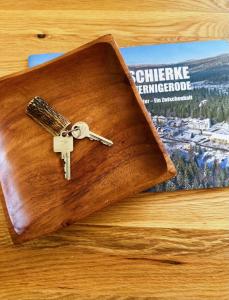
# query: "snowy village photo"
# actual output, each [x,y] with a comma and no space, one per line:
[190,110]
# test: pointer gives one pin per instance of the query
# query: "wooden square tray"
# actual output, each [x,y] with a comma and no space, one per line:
[91,84]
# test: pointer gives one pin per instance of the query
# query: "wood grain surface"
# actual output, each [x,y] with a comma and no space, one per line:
[158,246]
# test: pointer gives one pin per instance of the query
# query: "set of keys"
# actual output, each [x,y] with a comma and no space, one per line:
[56,124]
[64,143]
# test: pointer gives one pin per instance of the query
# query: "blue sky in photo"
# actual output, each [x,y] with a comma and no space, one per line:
[157,54]
[173,53]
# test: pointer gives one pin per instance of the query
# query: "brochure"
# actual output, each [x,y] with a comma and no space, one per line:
[185,87]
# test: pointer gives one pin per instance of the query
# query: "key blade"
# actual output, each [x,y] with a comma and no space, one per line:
[106,142]
[101,139]
[67,166]
[63,156]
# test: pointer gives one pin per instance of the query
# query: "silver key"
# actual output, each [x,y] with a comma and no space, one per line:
[64,145]
[80,130]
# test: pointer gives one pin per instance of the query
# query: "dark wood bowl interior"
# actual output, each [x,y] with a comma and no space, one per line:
[89,84]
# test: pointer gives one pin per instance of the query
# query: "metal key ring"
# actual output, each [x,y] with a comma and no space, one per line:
[66,132]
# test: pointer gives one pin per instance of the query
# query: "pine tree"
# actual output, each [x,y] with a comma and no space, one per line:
[220,114]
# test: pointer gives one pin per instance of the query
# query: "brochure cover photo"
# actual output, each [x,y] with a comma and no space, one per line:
[185,87]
